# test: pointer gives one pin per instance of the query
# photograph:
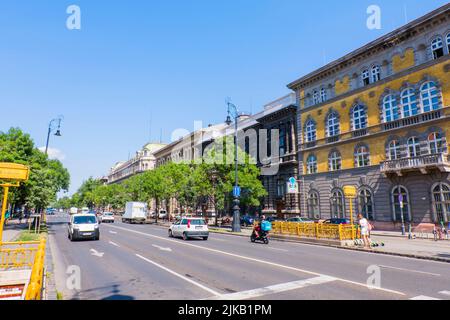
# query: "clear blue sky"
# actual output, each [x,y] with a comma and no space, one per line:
[172,61]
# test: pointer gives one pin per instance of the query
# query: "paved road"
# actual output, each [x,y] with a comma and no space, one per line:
[141,262]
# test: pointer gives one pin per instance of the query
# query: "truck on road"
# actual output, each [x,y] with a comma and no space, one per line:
[135,212]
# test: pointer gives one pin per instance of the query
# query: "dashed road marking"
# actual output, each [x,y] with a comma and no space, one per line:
[114,244]
[409,270]
[215,293]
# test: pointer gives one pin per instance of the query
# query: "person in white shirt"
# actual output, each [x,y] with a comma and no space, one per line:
[365,232]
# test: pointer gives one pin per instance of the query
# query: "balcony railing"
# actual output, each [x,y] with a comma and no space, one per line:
[429,116]
[440,161]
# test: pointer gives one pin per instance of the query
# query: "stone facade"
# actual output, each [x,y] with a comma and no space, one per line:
[143,161]
[378,119]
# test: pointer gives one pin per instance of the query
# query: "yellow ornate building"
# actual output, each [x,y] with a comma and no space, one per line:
[378,119]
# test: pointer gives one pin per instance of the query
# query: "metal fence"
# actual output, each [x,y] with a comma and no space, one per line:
[316,230]
[25,255]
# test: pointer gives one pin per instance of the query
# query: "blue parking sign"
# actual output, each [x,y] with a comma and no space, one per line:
[237,192]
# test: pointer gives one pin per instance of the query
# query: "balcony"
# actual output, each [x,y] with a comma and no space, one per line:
[424,164]
[425,117]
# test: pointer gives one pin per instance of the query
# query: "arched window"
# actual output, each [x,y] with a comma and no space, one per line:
[376,73]
[390,108]
[413,147]
[362,157]
[335,161]
[365,198]
[359,117]
[323,95]
[409,103]
[435,143]
[437,47]
[401,205]
[311,164]
[333,125]
[337,204]
[429,96]
[316,97]
[366,77]
[313,205]
[394,150]
[310,131]
[441,203]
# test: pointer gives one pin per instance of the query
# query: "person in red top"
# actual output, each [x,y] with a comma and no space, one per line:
[257,228]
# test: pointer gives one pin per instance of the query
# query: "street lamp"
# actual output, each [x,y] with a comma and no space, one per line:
[55,124]
[233,113]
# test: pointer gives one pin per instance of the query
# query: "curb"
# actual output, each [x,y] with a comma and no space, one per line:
[398,254]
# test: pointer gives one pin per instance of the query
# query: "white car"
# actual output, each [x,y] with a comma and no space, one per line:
[83,226]
[189,228]
[107,217]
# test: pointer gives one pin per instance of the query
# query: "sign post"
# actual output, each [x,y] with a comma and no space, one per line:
[350,193]
[10,176]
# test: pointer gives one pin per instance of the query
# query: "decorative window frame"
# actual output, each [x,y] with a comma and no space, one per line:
[330,112]
[431,43]
[394,187]
[305,132]
[433,201]
[389,92]
[355,154]
[372,192]
[352,120]
[311,155]
[310,214]
[334,150]
[344,205]
[438,85]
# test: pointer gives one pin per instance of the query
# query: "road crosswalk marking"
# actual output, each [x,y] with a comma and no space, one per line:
[279,288]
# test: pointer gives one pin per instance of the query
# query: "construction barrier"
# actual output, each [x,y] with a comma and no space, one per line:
[316,230]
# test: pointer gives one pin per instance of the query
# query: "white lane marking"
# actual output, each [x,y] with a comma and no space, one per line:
[278,249]
[409,270]
[250,294]
[424,298]
[162,248]
[112,232]
[215,293]
[445,293]
[258,260]
[114,244]
[96,253]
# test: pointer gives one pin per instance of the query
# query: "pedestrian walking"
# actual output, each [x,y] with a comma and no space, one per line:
[365,232]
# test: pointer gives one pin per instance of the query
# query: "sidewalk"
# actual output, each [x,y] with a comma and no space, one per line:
[12,230]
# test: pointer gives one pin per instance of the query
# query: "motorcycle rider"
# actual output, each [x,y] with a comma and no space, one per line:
[257,229]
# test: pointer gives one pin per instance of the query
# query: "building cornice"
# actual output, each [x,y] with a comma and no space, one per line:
[420,25]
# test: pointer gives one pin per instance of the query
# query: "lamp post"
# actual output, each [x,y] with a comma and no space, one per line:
[54,124]
[233,112]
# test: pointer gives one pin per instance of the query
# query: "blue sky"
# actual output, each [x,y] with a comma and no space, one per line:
[164,62]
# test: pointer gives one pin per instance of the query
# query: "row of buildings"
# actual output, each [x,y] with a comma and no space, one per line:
[377,119]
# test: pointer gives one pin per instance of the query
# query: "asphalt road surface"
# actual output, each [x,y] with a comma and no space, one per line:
[140,262]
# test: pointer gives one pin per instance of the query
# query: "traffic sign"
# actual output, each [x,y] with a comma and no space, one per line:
[236,192]
[13,171]
[350,191]
[292,186]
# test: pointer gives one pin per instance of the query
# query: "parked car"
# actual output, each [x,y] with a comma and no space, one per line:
[83,226]
[337,221]
[189,228]
[107,217]
[300,220]
[275,219]
[247,220]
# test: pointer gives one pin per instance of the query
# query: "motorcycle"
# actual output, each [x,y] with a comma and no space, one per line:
[263,237]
